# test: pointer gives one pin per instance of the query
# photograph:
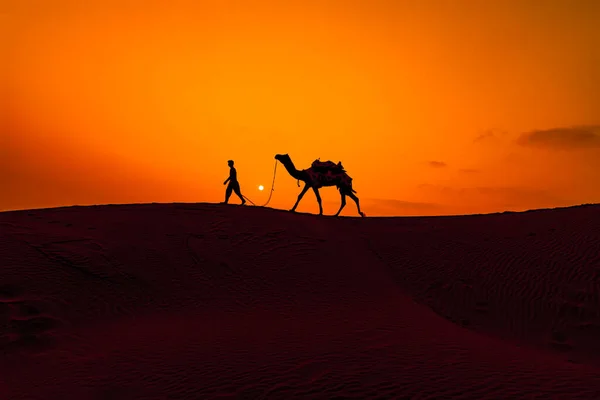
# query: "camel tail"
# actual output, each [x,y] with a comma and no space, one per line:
[346,185]
[350,189]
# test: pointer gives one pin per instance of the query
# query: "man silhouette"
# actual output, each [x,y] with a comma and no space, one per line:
[234,185]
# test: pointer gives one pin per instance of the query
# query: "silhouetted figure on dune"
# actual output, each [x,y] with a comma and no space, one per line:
[321,173]
[234,185]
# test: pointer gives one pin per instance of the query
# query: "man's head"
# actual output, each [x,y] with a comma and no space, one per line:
[230,163]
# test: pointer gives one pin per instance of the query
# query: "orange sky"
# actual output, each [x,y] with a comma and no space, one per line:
[434,107]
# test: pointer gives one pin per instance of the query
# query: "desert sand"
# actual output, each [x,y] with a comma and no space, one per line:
[206,301]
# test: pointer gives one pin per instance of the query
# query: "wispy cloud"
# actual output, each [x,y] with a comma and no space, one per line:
[402,204]
[379,207]
[483,136]
[490,134]
[505,196]
[401,207]
[437,164]
[568,138]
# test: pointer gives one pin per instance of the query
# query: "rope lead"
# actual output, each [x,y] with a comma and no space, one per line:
[272,189]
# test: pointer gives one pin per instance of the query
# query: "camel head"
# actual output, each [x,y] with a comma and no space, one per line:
[281,157]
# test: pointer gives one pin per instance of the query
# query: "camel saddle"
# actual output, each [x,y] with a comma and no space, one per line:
[327,166]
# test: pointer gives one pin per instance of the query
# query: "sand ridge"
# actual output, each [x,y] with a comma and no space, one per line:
[216,301]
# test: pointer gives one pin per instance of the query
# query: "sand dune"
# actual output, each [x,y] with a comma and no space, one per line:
[202,301]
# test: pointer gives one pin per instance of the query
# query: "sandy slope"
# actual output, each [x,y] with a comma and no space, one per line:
[211,301]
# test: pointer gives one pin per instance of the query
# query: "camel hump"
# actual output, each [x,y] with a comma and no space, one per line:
[327,166]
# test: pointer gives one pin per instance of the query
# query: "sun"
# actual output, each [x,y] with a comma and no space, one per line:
[261,187]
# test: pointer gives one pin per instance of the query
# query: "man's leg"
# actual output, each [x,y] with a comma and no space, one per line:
[239,193]
[228,193]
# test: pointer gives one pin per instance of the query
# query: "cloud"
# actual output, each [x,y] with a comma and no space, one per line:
[484,136]
[387,207]
[570,138]
[437,164]
[502,196]
[490,134]
[392,203]
[400,207]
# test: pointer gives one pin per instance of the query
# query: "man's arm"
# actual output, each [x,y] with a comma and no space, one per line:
[232,176]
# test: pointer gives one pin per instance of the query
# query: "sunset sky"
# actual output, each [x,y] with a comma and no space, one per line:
[434,107]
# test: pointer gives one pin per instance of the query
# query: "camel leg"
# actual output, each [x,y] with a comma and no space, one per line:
[353,197]
[318,200]
[342,205]
[306,187]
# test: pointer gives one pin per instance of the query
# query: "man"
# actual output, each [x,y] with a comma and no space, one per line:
[233,184]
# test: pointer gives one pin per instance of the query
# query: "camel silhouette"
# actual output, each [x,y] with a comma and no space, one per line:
[316,177]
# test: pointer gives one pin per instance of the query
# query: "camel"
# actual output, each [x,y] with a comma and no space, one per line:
[314,180]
